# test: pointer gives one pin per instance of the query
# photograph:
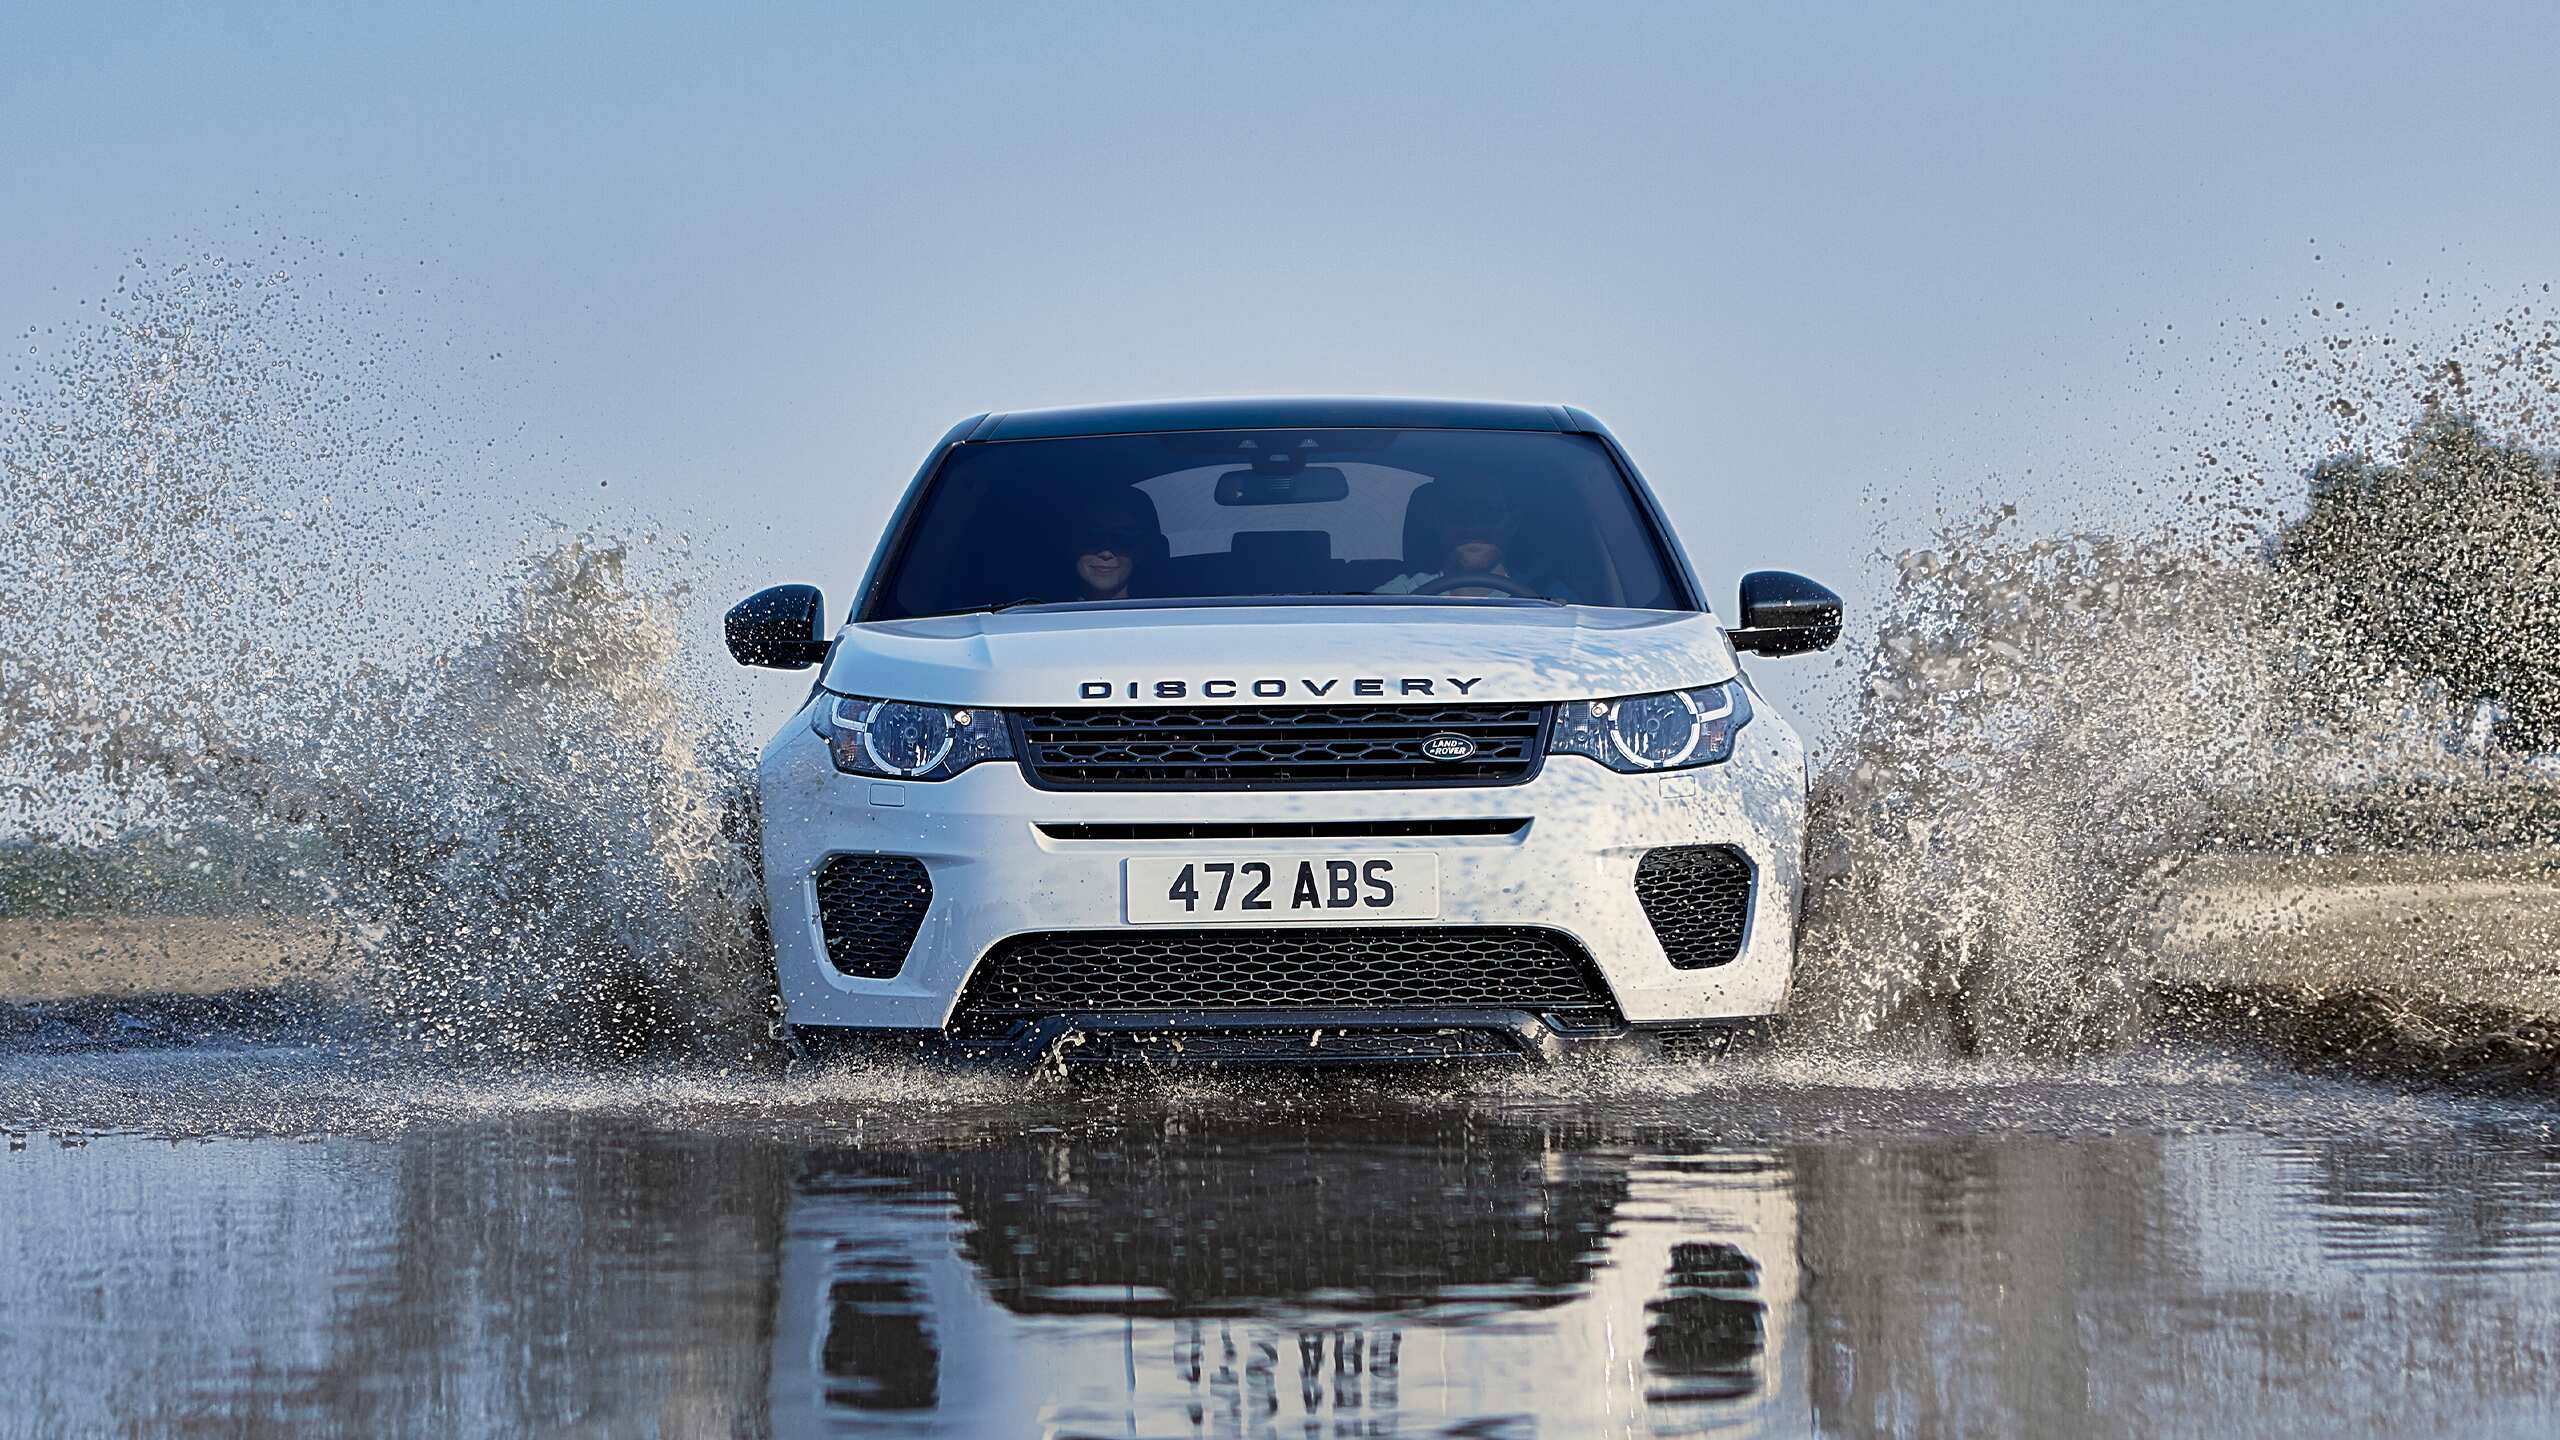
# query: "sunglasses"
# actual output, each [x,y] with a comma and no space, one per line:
[1119,541]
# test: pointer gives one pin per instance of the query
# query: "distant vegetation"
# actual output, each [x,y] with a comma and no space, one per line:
[2444,562]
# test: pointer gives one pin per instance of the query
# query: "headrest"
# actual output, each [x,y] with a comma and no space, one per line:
[1136,504]
[1276,547]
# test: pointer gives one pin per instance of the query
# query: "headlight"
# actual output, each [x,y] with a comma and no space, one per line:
[1672,730]
[898,740]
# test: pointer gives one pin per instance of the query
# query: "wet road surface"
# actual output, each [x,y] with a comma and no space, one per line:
[243,1240]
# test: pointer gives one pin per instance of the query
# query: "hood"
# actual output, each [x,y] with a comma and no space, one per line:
[1308,654]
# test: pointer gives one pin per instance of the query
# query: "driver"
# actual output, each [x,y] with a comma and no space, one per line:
[1470,538]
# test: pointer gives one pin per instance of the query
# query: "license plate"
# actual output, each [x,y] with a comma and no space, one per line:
[1272,888]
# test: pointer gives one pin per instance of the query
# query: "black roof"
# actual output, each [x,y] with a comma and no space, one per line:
[1289,412]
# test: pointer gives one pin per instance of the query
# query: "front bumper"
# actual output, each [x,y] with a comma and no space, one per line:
[996,873]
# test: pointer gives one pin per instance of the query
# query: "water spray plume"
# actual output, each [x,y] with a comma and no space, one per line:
[529,830]
[2052,728]
[233,630]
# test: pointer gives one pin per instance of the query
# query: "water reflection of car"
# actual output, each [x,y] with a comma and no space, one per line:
[1225,1236]
[1259,1274]
[1325,731]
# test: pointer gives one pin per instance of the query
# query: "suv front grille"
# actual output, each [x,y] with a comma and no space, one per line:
[1699,900]
[870,907]
[1368,967]
[1301,746]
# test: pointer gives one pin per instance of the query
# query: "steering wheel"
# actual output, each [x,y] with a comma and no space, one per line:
[1483,580]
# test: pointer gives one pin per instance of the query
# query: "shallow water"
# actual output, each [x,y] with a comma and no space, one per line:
[285,1240]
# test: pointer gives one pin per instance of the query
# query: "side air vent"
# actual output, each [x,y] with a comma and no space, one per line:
[870,907]
[1699,900]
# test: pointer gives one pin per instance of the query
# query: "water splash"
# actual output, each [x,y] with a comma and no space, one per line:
[2040,729]
[531,836]
[548,845]
[2052,728]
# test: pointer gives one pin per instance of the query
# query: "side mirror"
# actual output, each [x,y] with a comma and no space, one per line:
[1784,614]
[779,628]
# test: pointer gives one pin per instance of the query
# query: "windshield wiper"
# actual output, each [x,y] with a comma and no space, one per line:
[1279,599]
[1409,595]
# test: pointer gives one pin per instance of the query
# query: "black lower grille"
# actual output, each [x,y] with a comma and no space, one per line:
[1699,900]
[1316,1045]
[1301,746]
[870,907]
[1315,968]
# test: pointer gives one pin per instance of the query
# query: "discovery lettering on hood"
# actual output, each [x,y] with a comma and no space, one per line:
[1274,688]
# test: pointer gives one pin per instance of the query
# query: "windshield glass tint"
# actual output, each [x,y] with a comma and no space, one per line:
[1466,515]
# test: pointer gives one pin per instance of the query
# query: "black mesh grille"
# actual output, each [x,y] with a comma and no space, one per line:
[1298,745]
[870,907]
[1311,1046]
[1699,899]
[1315,968]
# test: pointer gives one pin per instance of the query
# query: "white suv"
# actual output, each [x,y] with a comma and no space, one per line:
[1288,730]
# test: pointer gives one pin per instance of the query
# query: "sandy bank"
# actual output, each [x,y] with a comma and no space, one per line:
[2434,968]
[2452,930]
[43,960]
[2447,964]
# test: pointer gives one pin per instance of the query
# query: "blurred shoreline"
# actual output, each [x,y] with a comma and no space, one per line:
[2414,968]
[112,957]
[2439,968]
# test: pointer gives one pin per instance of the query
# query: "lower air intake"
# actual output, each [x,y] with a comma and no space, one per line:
[1374,967]
[870,907]
[1310,1046]
[1699,900]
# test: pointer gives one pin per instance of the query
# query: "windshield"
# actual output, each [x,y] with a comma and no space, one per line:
[1461,516]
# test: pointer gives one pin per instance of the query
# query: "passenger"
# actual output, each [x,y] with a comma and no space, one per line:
[1107,543]
[1470,534]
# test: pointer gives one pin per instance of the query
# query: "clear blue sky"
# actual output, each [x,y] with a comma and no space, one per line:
[750,261]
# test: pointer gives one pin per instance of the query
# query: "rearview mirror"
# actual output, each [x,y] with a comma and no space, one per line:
[1305,485]
[779,628]
[1785,614]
